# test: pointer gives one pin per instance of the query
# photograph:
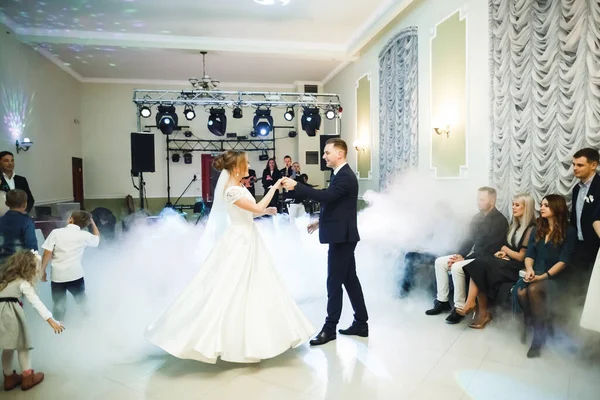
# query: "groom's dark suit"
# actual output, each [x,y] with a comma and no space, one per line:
[337,227]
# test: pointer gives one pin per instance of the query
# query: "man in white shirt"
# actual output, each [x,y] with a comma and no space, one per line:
[65,246]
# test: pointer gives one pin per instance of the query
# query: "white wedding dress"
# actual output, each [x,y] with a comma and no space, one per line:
[590,318]
[236,307]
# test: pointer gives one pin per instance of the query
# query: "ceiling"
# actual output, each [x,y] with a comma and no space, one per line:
[158,40]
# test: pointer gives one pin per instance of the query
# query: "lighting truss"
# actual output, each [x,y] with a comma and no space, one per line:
[214,98]
[218,146]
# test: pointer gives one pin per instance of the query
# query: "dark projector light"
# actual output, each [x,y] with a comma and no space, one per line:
[166,119]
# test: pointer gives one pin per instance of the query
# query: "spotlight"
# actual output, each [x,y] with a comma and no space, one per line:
[263,122]
[330,113]
[292,134]
[145,111]
[217,121]
[237,113]
[263,157]
[253,134]
[289,114]
[189,113]
[166,119]
[188,134]
[175,157]
[187,158]
[311,121]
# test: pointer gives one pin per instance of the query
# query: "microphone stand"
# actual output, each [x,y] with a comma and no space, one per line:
[194,179]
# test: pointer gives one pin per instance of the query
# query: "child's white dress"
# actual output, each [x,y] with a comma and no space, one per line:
[13,325]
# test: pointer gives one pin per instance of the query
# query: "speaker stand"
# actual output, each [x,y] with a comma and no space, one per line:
[142,187]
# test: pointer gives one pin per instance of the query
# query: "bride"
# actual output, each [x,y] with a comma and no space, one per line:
[236,307]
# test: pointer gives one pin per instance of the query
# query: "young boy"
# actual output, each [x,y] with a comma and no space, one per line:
[17,230]
[64,246]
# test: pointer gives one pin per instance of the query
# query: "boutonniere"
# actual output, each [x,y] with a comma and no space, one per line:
[589,199]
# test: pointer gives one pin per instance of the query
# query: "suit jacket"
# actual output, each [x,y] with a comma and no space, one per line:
[20,183]
[589,214]
[288,172]
[339,202]
[487,234]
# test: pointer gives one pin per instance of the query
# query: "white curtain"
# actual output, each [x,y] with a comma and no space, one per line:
[398,105]
[545,71]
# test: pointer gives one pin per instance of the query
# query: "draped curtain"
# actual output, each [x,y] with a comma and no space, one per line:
[398,105]
[545,95]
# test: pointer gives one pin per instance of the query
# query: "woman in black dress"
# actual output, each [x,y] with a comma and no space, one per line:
[489,273]
[270,176]
[550,249]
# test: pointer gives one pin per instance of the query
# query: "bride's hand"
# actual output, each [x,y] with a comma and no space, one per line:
[271,211]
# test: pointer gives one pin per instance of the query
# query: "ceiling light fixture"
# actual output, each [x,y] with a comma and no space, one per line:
[206,83]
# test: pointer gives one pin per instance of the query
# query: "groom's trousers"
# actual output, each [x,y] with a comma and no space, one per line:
[341,271]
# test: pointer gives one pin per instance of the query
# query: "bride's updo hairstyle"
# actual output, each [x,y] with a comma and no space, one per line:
[230,160]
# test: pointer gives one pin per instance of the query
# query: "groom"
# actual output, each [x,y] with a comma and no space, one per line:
[337,224]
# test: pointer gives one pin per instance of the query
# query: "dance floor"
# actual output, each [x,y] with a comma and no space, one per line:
[408,356]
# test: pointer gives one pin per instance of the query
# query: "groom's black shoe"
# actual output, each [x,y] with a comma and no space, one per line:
[322,338]
[356,330]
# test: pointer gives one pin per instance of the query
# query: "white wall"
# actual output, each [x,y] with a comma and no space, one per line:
[108,118]
[425,14]
[47,100]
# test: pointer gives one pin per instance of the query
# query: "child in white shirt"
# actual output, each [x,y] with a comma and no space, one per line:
[65,246]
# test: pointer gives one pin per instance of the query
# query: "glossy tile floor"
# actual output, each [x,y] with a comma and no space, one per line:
[407,356]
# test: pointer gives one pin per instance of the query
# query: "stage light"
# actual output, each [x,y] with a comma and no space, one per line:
[237,113]
[330,113]
[189,113]
[292,134]
[263,122]
[289,114]
[145,111]
[187,158]
[263,157]
[217,121]
[188,134]
[311,121]
[175,157]
[166,119]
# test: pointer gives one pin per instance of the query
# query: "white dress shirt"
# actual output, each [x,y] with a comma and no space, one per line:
[67,245]
[335,171]
[10,181]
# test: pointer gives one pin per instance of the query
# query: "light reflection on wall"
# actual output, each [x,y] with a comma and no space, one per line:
[17,109]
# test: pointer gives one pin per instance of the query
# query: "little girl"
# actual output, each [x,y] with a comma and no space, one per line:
[20,273]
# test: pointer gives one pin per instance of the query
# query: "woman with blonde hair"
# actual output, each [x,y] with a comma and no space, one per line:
[489,273]
[236,308]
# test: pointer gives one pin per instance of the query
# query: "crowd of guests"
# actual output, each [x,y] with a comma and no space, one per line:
[542,264]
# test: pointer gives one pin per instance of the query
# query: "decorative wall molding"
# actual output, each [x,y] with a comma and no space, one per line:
[463,169]
[371,125]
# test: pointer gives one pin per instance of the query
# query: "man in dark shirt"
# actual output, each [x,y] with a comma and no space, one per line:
[486,236]
[17,230]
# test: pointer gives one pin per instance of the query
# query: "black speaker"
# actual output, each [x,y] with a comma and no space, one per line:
[324,139]
[142,152]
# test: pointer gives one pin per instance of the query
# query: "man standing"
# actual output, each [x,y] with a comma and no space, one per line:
[288,171]
[337,227]
[486,237]
[584,209]
[10,181]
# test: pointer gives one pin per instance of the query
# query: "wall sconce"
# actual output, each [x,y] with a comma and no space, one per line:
[24,145]
[443,130]
[359,145]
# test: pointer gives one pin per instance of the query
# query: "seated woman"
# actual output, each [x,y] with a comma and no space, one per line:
[550,249]
[489,273]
